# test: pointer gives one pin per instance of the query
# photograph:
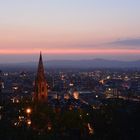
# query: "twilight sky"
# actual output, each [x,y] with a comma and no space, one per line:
[69,29]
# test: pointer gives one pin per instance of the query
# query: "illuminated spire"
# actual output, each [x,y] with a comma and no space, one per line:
[41,91]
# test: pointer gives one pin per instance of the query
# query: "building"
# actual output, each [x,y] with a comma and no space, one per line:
[40,90]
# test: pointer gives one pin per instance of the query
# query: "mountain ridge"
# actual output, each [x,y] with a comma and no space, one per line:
[90,63]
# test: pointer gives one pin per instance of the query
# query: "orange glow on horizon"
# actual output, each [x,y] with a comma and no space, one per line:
[70,51]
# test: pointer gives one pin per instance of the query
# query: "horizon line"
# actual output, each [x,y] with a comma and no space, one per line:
[69,51]
[92,59]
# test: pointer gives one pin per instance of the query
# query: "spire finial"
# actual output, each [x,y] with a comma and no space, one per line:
[40,59]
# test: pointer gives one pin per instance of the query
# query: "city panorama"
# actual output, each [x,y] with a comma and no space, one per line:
[70,70]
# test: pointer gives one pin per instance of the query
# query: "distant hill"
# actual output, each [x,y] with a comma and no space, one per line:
[94,63]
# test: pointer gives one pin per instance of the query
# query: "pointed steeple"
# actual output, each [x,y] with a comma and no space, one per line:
[40,71]
[41,91]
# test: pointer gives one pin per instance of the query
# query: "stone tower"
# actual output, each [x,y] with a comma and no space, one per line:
[41,91]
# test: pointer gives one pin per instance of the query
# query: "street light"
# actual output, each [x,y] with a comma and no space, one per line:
[29,122]
[28,110]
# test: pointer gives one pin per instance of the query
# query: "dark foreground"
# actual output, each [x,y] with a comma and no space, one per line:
[115,120]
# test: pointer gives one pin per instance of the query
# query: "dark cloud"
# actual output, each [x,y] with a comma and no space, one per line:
[127,42]
[130,43]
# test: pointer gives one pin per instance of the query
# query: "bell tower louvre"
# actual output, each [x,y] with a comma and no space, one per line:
[40,91]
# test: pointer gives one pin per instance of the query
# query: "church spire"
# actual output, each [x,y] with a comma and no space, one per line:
[41,91]
[40,71]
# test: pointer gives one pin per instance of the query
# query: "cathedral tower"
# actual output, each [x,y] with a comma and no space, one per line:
[41,91]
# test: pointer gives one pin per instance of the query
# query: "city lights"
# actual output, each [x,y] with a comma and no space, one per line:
[73,101]
[29,122]
[70,70]
[28,110]
[91,130]
[76,95]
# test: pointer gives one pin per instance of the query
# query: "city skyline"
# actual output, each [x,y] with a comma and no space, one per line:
[69,30]
[69,69]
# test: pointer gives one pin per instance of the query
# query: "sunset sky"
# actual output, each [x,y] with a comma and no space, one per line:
[69,29]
